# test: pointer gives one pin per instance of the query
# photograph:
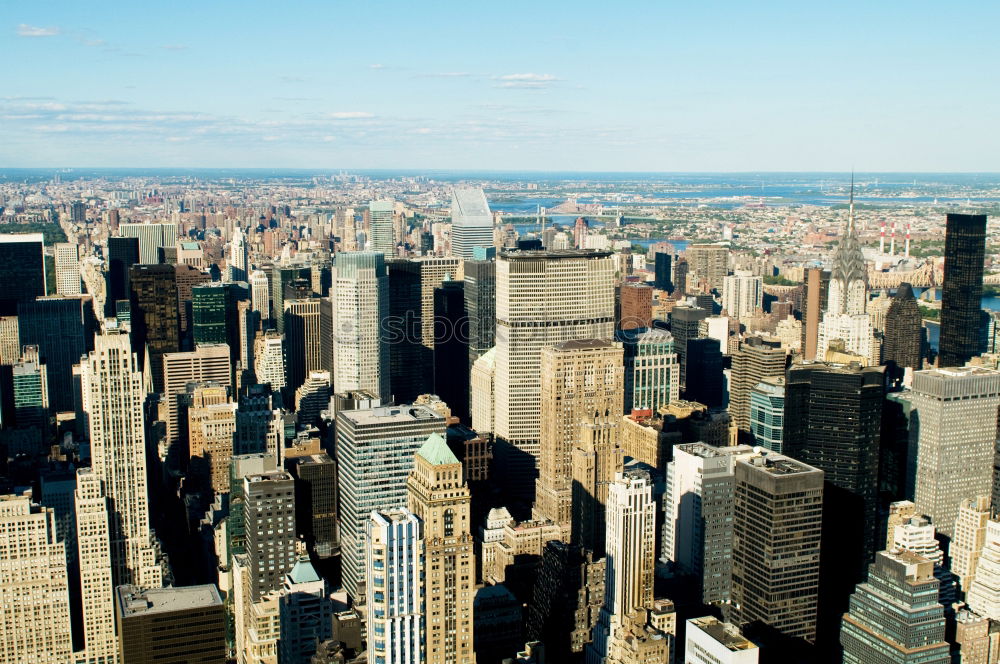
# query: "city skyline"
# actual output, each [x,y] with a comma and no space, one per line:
[588,87]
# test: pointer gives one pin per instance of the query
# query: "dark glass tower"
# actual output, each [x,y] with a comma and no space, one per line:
[705,381]
[406,353]
[662,272]
[961,297]
[22,270]
[833,416]
[215,318]
[155,321]
[451,379]
[903,347]
[62,328]
[123,253]
[480,306]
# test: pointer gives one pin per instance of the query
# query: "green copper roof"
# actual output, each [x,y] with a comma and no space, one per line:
[436,451]
[303,572]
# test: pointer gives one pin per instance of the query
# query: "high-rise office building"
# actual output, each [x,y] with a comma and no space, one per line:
[62,329]
[67,266]
[439,496]
[312,398]
[567,600]
[316,501]
[816,289]
[471,222]
[767,413]
[661,266]
[303,341]
[968,539]
[269,360]
[709,262]
[540,302]
[122,254]
[185,625]
[409,359]
[306,613]
[846,318]
[581,388]
[208,363]
[360,302]
[652,374]
[710,641]
[705,383]
[895,615]
[113,394]
[631,542]
[22,270]
[269,523]
[394,569]
[94,559]
[636,306]
[214,319]
[211,421]
[480,306]
[239,259]
[961,308]
[903,344]
[380,236]
[30,392]
[955,440]
[778,508]
[698,516]
[451,347]
[375,449]
[187,277]
[260,294]
[742,294]
[152,237]
[154,312]
[753,362]
[983,594]
[35,620]
[684,320]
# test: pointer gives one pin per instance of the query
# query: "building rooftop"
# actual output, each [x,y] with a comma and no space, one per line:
[725,633]
[584,344]
[390,415]
[303,572]
[21,237]
[134,601]
[436,451]
[527,254]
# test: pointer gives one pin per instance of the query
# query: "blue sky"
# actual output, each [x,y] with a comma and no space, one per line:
[629,86]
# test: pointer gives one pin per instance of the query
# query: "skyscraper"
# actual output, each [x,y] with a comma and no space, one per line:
[698,516]
[303,346]
[67,265]
[375,449]
[983,594]
[439,496]
[94,559]
[316,501]
[239,260]
[269,520]
[214,308]
[211,421]
[817,286]
[957,414]
[778,509]
[684,320]
[754,361]
[661,267]
[62,329]
[968,538]
[581,389]
[709,262]
[380,236]
[113,394]
[360,300]
[185,625]
[903,346]
[961,308]
[394,569]
[260,294]
[767,413]
[34,623]
[652,374]
[22,270]
[154,311]
[540,303]
[208,363]
[451,347]
[895,615]
[123,253]
[480,306]
[152,237]
[269,360]
[471,221]
[636,302]
[742,294]
[705,382]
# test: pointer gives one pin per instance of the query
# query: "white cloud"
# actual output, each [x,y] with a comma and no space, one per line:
[538,78]
[527,81]
[423,130]
[25,30]
[351,115]
[328,139]
[376,66]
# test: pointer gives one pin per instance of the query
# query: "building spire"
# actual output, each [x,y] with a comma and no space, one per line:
[850,208]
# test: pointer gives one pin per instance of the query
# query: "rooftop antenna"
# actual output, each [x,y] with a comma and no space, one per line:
[850,208]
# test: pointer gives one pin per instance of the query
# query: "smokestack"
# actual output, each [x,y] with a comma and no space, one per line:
[881,240]
[907,239]
[892,240]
